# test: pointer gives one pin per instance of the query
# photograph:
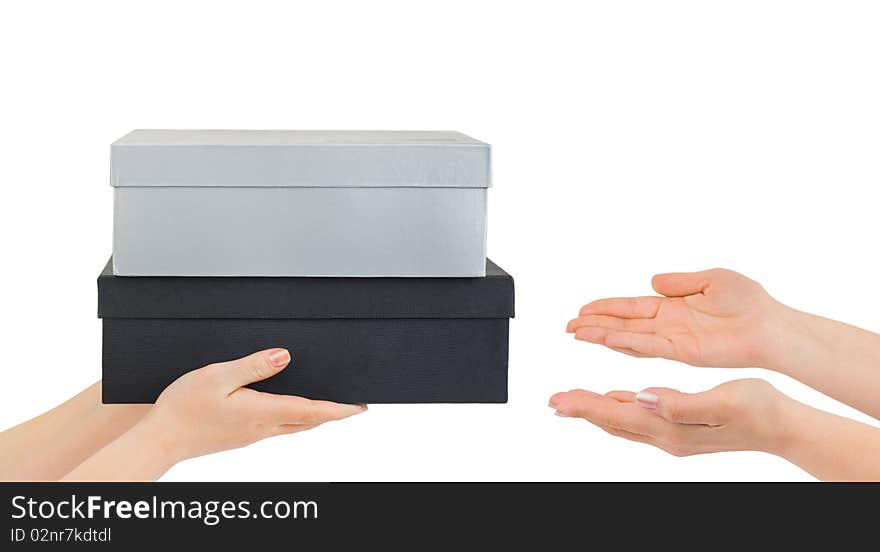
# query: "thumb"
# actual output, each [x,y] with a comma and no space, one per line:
[680,284]
[682,408]
[252,368]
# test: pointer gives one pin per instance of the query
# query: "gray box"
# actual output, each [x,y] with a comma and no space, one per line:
[299,203]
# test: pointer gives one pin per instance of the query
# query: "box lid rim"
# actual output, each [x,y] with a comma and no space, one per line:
[254,297]
[290,137]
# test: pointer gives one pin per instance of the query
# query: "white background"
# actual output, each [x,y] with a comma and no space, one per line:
[628,138]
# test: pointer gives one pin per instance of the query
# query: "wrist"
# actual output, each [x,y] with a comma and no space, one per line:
[787,340]
[162,444]
[784,427]
[140,454]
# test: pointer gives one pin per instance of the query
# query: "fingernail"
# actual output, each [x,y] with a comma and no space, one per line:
[279,358]
[647,400]
[356,408]
[562,414]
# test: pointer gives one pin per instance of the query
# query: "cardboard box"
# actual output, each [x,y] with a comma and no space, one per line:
[354,340]
[299,203]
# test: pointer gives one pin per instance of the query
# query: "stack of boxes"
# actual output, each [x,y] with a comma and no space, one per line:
[362,253]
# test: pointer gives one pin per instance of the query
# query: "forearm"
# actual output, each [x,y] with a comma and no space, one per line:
[50,445]
[840,360]
[830,447]
[141,454]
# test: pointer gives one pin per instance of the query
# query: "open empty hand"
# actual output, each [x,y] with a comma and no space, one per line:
[748,414]
[738,415]
[722,319]
[712,318]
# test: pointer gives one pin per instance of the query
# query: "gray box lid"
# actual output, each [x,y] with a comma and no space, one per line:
[300,158]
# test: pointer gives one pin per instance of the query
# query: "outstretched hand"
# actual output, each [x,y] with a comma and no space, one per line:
[208,410]
[714,318]
[738,415]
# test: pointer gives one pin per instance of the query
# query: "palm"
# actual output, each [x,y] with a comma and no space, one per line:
[710,318]
[701,335]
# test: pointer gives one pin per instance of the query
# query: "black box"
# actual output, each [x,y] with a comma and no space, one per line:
[353,340]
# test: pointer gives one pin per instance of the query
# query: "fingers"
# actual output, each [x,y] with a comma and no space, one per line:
[680,284]
[673,284]
[290,410]
[684,408]
[647,439]
[616,323]
[607,412]
[640,325]
[287,429]
[631,343]
[619,317]
[625,414]
[592,334]
[679,423]
[623,307]
[252,368]
[629,352]
[622,396]
[651,345]
[674,406]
